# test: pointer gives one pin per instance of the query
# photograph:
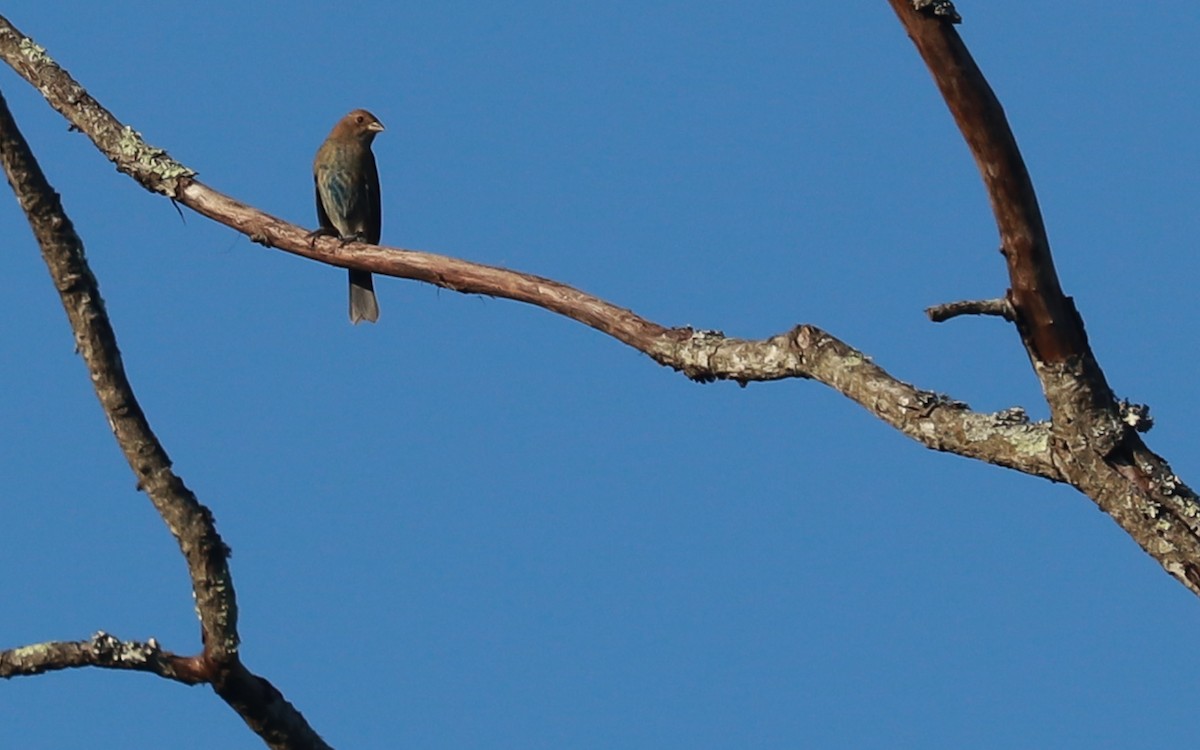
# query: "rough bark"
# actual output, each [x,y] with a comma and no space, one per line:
[1094,443]
[190,522]
[1091,441]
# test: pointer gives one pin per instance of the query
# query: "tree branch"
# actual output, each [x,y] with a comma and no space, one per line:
[1090,442]
[1094,442]
[1054,328]
[1083,444]
[999,307]
[103,650]
[191,523]
[701,355]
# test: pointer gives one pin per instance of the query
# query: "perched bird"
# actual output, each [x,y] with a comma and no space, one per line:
[347,186]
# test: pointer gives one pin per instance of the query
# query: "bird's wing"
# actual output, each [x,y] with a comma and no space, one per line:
[322,217]
[373,225]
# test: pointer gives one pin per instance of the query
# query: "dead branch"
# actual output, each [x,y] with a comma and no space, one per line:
[1000,308]
[102,650]
[805,352]
[190,522]
[1090,442]
[1093,444]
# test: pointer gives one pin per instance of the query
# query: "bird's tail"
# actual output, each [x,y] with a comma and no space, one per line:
[363,305]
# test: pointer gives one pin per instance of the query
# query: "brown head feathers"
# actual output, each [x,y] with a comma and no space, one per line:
[358,124]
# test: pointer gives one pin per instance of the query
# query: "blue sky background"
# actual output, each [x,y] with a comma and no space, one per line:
[477,524]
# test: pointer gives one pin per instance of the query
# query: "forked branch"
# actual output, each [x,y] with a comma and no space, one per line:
[256,701]
[1091,441]
[804,352]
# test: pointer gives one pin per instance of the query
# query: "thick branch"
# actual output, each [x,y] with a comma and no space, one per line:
[189,522]
[805,352]
[702,356]
[1094,444]
[259,704]
[1055,331]
[1086,423]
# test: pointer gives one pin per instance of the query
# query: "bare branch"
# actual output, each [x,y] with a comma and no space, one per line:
[1095,443]
[1054,329]
[998,307]
[256,700]
[1091,441]
[189,522]
[103,650]
[702,356]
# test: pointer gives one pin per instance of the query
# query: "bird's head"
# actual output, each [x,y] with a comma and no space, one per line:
[359,124]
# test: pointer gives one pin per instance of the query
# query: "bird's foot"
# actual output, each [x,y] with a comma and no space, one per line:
[322,232]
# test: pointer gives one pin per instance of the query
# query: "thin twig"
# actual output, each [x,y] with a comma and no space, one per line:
[998,307]
[102,650]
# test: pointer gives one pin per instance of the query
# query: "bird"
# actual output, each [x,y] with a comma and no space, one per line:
[347,190]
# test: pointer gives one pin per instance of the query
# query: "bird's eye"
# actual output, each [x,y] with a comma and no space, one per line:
[359,119]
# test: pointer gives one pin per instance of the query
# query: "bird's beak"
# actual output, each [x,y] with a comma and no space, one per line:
[375,127]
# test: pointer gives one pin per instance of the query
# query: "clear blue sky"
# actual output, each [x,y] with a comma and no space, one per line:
[478,525]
